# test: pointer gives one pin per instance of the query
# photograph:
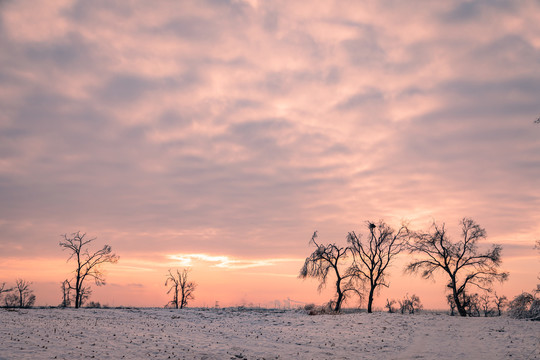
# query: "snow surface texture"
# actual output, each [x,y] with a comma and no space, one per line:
[259,334]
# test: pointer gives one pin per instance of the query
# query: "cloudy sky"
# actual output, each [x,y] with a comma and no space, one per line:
[220,134]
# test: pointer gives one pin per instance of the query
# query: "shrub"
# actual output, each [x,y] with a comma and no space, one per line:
[410,304]
[390,305]
[325,309]
[93,305]
[524,306]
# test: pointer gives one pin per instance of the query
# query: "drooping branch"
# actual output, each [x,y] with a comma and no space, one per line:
[327,259]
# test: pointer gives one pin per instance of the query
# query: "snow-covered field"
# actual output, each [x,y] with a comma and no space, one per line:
[259,334]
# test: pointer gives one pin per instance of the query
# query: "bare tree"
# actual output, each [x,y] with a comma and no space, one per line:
[484,301]
[372,256]
[88,265]
[464,264]
[84,295]
[500,303]
[4,290]
[451,302]
[525,306]
[410,304]
[21,296]
[471,303]
[181,288]
[326,258]
[66,288]
[390,305]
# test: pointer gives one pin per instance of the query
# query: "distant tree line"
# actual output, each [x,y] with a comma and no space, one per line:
[19,296]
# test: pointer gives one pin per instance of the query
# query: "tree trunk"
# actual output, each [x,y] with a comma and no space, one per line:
[370,299]
[340,295]
[77,294]
[78,282]
[459,306]
[338,302]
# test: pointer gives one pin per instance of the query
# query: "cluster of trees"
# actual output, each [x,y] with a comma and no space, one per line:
[478,304]
[463,263]
[19,296]
[370,261]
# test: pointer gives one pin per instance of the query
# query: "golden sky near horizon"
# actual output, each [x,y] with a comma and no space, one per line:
[221,134]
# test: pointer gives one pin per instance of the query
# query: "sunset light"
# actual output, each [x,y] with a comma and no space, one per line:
[220,135]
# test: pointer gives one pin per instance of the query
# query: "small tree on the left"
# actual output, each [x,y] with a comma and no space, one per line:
[88,265]
[181,288]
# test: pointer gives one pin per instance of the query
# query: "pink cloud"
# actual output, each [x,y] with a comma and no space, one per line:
[240,128]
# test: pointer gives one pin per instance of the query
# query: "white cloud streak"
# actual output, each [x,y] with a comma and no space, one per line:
[226,262]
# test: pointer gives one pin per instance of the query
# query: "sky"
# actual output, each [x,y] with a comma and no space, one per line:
[221,134]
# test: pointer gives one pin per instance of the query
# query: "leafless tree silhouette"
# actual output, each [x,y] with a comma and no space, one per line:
[500,303]
[464,264]
[390,305]
[88,265]
[525,306]
[410,304]
[66,288]
[372,256]
[181,288]
[450,300]
[471,303]
[330,257]
[4,290]
[484,302]
[21,296]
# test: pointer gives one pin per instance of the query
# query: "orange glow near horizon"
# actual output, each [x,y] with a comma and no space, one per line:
[227,281]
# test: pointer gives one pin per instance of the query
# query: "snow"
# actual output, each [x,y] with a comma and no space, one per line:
[259,334]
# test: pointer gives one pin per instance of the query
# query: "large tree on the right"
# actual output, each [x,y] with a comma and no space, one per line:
[462,261]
